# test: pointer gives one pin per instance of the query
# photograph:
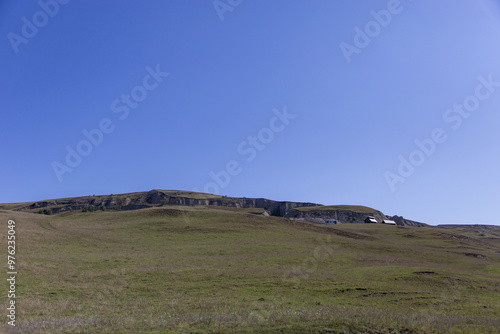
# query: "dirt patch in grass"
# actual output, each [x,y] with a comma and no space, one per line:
[479,256]
[431,273]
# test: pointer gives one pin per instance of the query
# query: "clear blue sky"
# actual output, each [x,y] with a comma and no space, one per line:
[356,102]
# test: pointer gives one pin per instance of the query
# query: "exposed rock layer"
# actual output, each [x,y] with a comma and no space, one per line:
[153,198]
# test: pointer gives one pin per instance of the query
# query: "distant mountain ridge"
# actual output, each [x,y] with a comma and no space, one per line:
[155,198]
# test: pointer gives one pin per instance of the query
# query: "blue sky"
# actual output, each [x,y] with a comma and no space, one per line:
[261,100]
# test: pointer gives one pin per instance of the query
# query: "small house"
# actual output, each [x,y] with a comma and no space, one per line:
[331,222]
[388,222]
[370,220]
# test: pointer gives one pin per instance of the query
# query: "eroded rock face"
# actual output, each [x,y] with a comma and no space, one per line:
[159,198]
[405,222]
[155,198]
[343,216]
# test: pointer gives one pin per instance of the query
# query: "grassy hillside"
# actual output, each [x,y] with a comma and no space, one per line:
[222,270]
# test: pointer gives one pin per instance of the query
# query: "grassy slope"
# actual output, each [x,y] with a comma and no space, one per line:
[221,270]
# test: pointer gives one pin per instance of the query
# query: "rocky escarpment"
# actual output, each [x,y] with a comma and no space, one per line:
[406,222]
[347,214]
[154,198]
[341,215]
[273,208]
[134,201]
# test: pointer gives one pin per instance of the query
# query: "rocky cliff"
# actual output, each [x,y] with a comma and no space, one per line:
[154,198]
[406,222]
[352,214]
[134,201]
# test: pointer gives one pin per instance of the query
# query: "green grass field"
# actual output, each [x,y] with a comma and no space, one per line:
[222,270]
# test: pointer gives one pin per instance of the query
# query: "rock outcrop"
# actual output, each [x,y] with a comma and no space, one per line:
[343,216]
[134,201]
[406,222]
[155,198]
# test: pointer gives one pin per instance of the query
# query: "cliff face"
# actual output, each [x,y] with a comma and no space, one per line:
[343,216]
[155,198]
[402,221]
[348,216]
[272,207]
